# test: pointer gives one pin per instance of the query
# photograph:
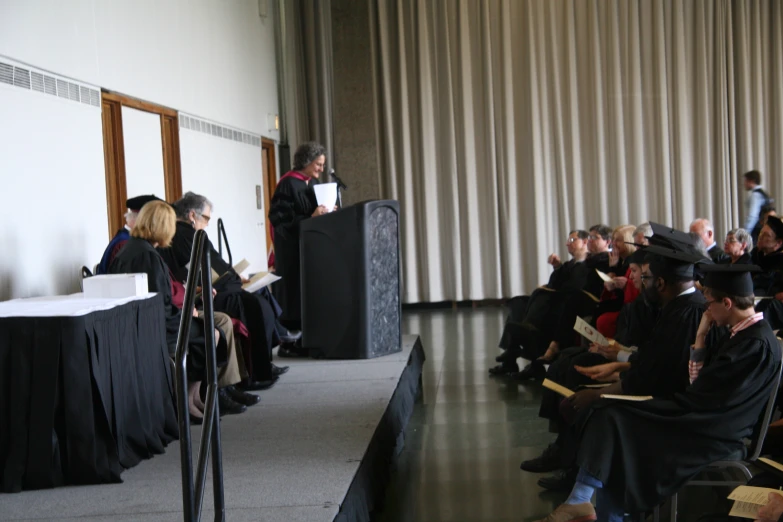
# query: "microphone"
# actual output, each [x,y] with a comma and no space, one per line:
[339,182]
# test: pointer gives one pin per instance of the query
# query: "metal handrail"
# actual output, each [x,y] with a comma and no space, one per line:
[193,493]
[223,237]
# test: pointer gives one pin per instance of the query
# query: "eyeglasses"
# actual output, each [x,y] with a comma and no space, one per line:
[205,217]
[571,239]
[594,238]
[729,241]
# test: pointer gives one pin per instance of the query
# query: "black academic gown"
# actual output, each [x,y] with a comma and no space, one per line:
[644,452]
[252,310]
[634,326]
[717,255]
[744,259]
[293,202]
[660,366]
[139,256]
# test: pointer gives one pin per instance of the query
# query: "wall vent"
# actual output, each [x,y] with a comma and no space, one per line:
[217,130]
[30,79]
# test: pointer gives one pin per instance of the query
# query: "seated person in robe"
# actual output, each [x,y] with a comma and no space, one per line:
[133,206]
[737,247]
[703,227]
[193,213]
[766,211]
[769,282]
[660,364]
[634,455]
[529,327]
[154,228]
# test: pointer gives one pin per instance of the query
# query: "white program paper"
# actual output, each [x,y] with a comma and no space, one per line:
[591,334]
[259,281]
[326,194]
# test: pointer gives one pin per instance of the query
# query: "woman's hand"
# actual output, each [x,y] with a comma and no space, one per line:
[600,373]
[320,211]
[620,282]
[609,285]
[195,312]
[614,257]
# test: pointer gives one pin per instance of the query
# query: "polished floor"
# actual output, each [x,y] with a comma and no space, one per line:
[470,432]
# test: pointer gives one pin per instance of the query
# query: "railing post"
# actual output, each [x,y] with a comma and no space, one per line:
[193,493]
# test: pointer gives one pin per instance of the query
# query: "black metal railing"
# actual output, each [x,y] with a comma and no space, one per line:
[193,490]
[221,238]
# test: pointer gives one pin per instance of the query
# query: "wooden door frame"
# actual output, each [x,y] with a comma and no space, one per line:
[269,185]
[114,153]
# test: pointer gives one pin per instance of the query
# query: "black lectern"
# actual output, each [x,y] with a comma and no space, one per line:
[351,282]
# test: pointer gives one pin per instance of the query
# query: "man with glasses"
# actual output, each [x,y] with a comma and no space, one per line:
[532,320]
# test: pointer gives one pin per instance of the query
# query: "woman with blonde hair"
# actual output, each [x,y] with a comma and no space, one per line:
[155,226]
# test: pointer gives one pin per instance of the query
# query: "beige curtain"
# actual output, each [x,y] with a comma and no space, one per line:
[305,73]
[506,123]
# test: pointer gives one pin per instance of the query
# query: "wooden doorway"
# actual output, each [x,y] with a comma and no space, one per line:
[269,168]
[114,153]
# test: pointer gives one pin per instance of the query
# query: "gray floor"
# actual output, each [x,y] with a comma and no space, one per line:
[468,436]
[290,458]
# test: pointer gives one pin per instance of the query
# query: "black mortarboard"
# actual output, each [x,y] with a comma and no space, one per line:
[776,225]
[136,203]
[732,279]
[668,261]
[669,237]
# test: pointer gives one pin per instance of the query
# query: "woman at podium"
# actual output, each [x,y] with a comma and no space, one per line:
[293,201]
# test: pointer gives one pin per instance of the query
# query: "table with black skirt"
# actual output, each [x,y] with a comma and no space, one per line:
[86,389]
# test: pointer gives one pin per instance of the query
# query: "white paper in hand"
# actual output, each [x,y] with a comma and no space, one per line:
[591,334]
[326,194]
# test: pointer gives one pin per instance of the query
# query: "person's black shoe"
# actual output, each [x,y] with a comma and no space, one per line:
[238,396]
[547,462]
[279,370]
[257,385]
[562,480]
[291,351]
[504,369]
[534,371]
[227,405]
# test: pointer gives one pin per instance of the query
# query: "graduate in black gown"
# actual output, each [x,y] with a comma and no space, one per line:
[294,201]
[154,227]
[193,213]
[769,282]
[637,454]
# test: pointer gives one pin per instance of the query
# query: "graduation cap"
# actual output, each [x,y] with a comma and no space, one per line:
[776,225]
[732,279]
[136,203]
[667,261]
[669,237]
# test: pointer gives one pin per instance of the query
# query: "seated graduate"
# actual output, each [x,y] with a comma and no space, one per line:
[255,312]
[154,228]
[769,283]
[737,247]
[703,227]
[530,320]
[634,455]
[134,206]
[660,364]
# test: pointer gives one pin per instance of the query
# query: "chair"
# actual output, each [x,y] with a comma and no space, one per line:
[754,450]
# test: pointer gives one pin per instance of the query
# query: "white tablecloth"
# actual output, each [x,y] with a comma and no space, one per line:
[61,305]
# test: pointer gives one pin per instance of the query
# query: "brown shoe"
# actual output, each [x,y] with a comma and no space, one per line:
[584,512]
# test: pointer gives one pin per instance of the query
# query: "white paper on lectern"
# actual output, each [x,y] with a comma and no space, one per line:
[326,194]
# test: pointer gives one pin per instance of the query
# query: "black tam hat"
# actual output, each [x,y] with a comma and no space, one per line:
[732,279]
[136,203]
[672,262]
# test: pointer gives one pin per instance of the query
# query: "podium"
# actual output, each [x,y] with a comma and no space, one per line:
[351,282]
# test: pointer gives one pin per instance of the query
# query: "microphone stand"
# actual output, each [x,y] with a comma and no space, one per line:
[340,185]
